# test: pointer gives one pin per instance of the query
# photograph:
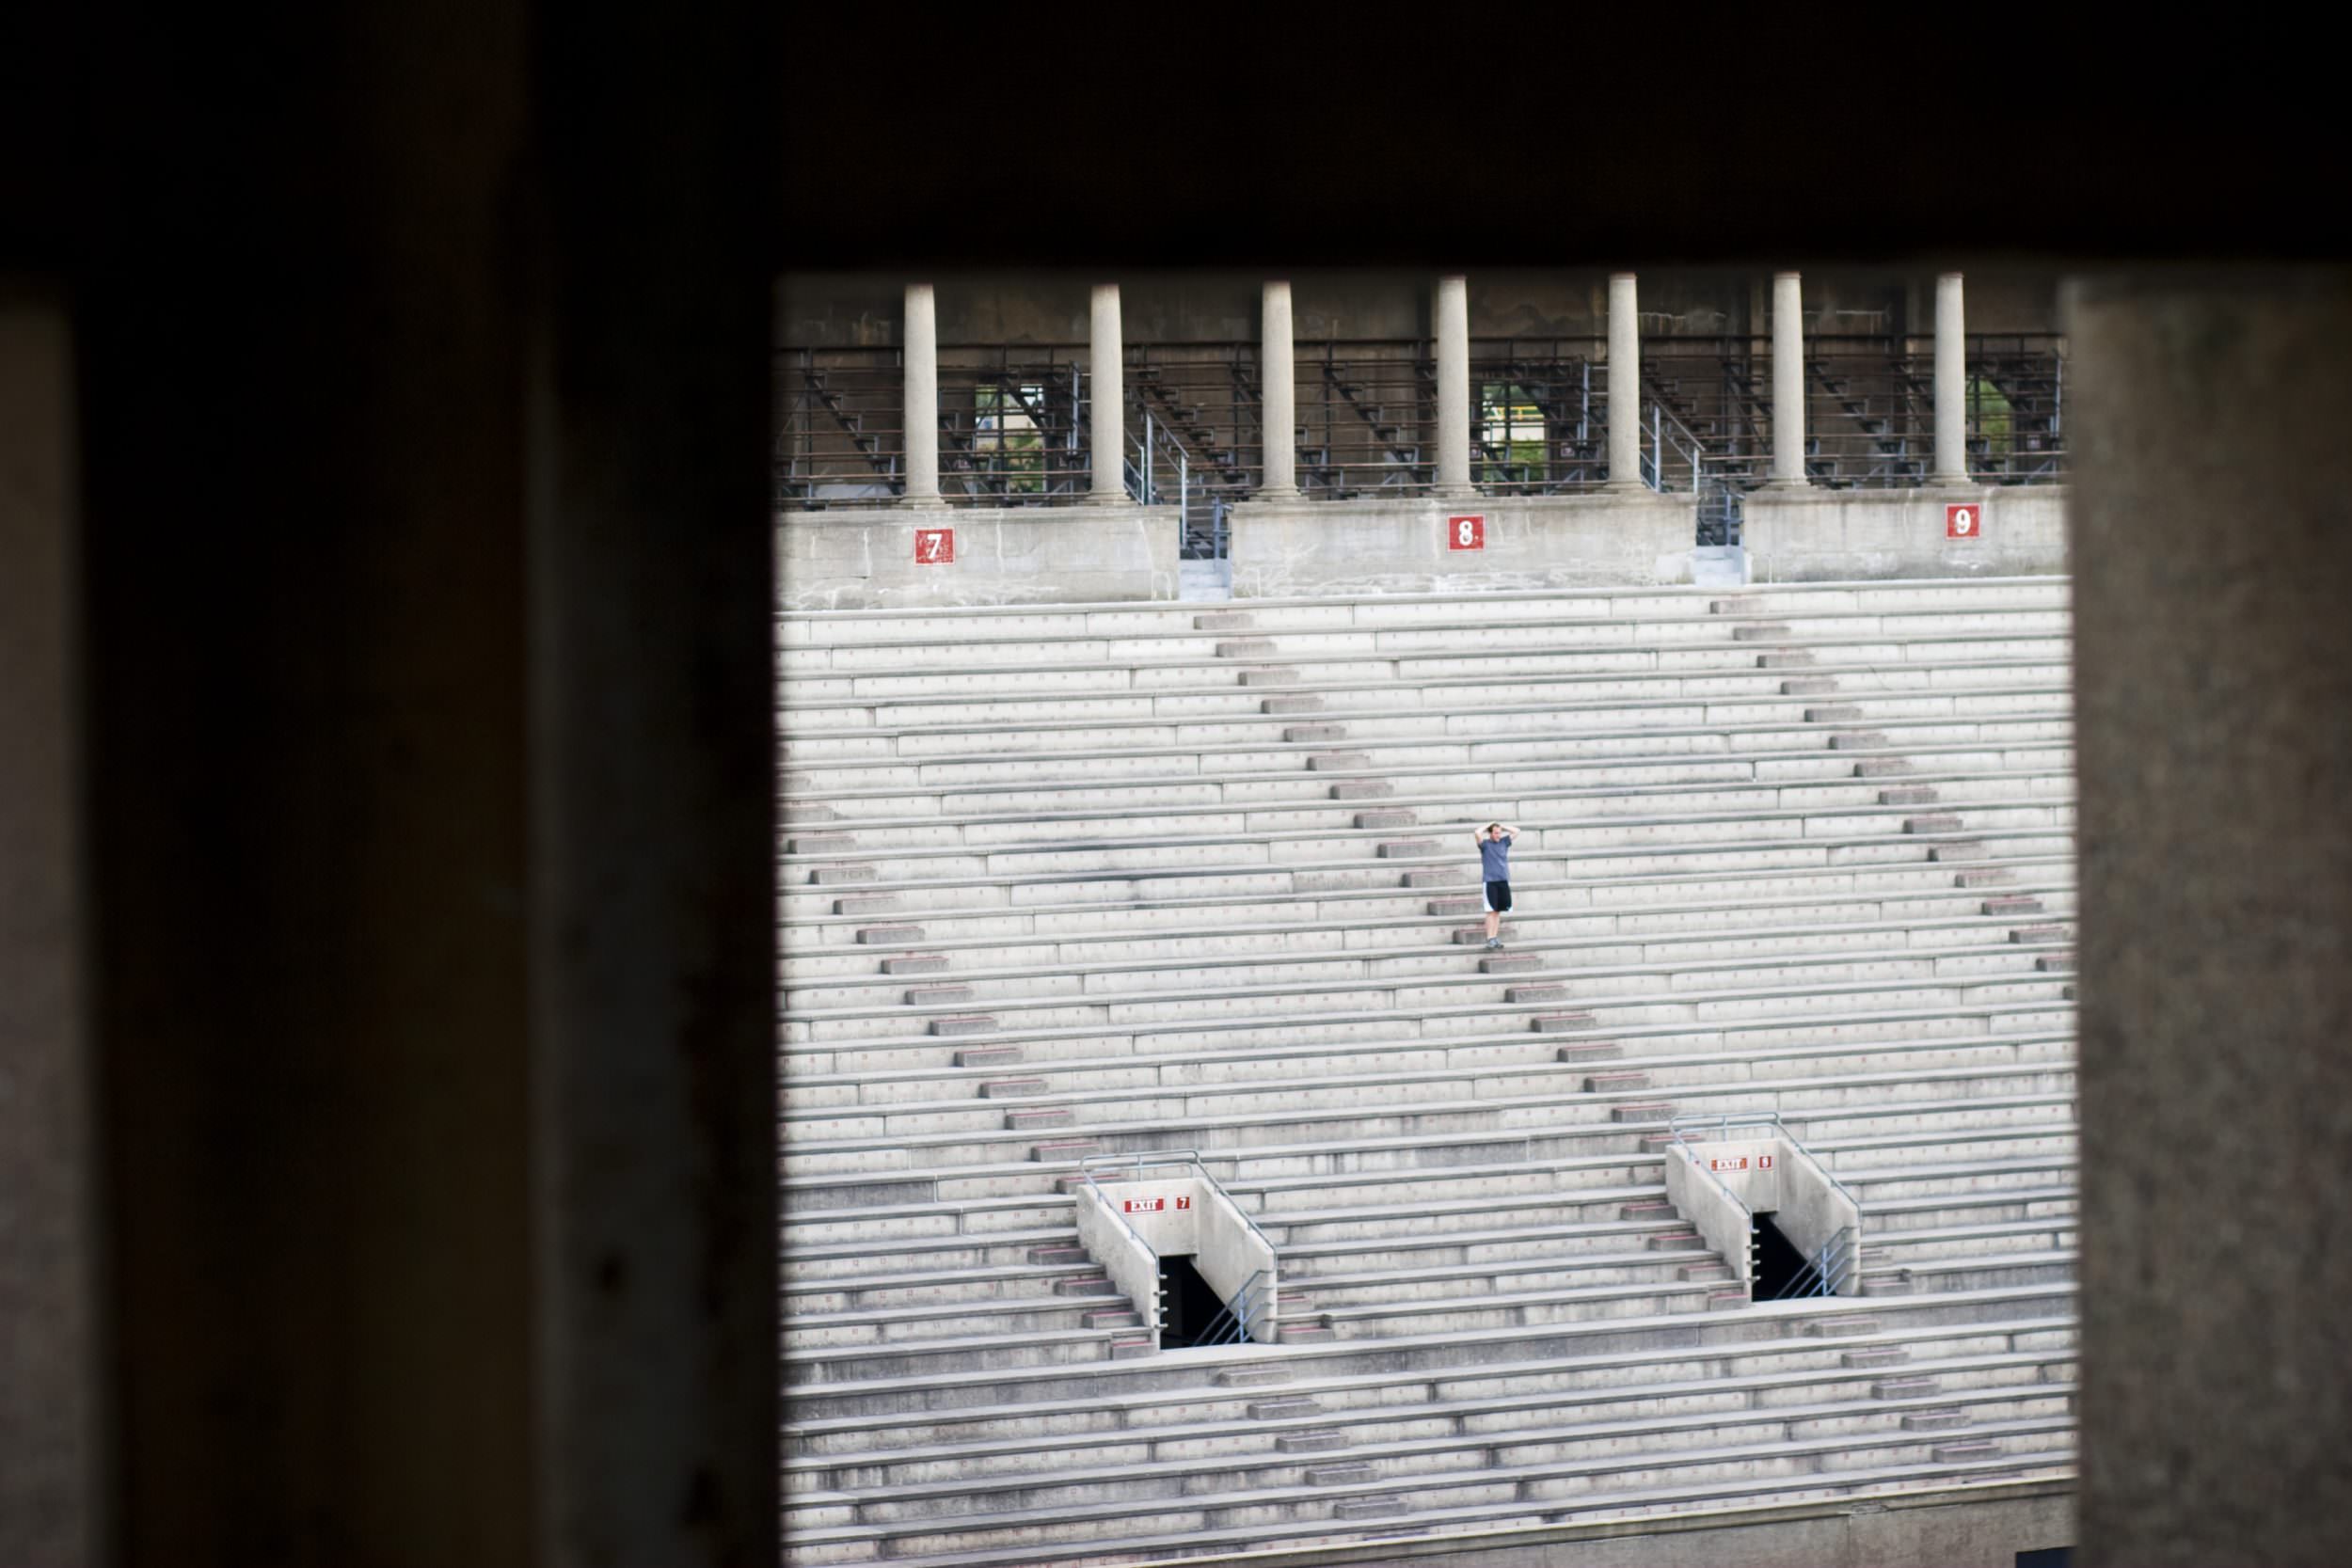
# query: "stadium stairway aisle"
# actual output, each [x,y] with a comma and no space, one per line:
[1065,880]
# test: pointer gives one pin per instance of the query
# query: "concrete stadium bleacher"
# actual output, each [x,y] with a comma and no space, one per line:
[1064,880]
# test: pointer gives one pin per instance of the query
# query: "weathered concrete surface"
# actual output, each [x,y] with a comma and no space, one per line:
[864,559]
[2213,699]
[1402,547]
[49,1389]
[1981,1527]
[430,738]
[1815,535]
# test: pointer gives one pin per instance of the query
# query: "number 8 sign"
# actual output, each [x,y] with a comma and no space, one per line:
[934,545]
[1964,521]
[1466,533]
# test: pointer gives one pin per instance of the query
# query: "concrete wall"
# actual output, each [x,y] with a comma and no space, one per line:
[2214,701]
[1402,547]
[1228,1251]
[1720,1216]
[1815,536]
[861,558]
[1813,1209]
[1113,1239]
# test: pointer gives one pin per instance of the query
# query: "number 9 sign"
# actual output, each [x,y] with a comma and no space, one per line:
[1964,521]
[1466,533]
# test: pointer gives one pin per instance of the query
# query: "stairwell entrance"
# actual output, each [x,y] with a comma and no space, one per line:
[1172,1241]
[1189,1305]
[1779,1265]
[1758,1197]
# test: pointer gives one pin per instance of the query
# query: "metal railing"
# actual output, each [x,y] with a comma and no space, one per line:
[1015,424]
[1826,1272]
[1232,1325]
[1143,1160]
[1724,1122]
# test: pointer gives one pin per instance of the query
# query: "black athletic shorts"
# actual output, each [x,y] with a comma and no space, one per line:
[1498,897]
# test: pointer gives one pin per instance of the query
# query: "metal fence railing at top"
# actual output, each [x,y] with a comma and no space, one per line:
[1016,421]
[1140,1161]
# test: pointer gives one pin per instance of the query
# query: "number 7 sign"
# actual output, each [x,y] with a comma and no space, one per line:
[934,545]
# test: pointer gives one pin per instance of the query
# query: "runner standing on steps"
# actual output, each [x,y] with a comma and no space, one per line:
[1494,865]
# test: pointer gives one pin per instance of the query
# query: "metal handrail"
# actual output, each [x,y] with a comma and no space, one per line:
[1827,1270]
[1140,1159]
[1231,1323]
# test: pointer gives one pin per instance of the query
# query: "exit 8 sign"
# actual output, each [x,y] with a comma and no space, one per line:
[934,545]
[1964,521]
[1466,533]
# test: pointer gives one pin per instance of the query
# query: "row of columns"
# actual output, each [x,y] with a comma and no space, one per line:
[1280,481]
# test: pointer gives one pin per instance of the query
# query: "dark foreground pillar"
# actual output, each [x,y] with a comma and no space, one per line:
[50,1470]
[2212,540]
[429,783]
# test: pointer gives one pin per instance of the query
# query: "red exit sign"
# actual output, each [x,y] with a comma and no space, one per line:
[1150,1205]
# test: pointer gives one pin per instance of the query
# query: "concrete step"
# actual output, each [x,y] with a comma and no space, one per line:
[1482,1366]
[1451,1156]
[1252,1377]
[1935,1420]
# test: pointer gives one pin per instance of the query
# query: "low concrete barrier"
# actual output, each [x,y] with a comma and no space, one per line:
[1419,547]
[1815,535]
[911,556]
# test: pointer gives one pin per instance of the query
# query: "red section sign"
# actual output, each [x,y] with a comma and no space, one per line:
[1183,1203]
[1964,521]
[1466,533]
[934,545]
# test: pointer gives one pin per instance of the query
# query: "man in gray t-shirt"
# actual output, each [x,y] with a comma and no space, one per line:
[1494,868]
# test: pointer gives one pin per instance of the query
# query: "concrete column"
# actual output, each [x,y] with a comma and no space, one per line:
[1787,381]
[1453,398]
[1108,430]
[51,1483]
[1624,385]
[1951,383]
[920,346]
[431,741]
[1280,411]
[2215,921]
